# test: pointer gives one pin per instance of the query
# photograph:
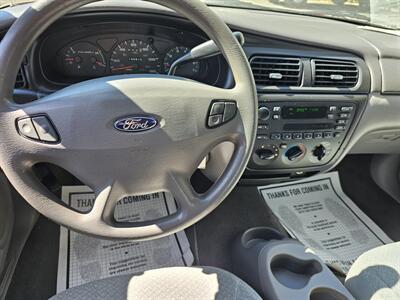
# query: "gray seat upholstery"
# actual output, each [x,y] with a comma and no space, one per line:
[169,283]
[376,274]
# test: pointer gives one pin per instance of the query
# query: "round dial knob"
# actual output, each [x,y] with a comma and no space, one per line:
[319,152]
[294,153]
[265,154]
[263,113]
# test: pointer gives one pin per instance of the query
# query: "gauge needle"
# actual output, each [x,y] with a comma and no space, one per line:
[123,68]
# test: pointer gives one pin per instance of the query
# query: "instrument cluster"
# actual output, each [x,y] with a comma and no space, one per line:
[79,53]
[83,59]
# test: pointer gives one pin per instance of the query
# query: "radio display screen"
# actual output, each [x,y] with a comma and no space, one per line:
[304,112]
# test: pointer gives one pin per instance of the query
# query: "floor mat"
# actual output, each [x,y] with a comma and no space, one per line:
[214,236]
[318,213]
[357,182]
[83,259]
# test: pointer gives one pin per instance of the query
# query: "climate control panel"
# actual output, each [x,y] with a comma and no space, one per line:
[300,134]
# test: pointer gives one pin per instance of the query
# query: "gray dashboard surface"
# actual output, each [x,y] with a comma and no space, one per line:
[379,50]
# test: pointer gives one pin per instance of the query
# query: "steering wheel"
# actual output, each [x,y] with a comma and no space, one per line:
[125,135]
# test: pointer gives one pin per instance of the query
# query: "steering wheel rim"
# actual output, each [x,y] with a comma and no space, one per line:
[167,155]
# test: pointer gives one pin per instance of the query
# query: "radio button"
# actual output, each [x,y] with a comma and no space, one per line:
[347,108]
[331,116]
[342,122]
[262,137]
[344,116]
[275,136]
[297,136]
[276,109]
[263,127]
[332,108]
[308,136]
[286,136]
[318,135]
[328,135]
[276,117]
[340,127]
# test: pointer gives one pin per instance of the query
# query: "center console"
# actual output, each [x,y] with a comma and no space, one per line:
[300,134]
[279,268]
[303,134]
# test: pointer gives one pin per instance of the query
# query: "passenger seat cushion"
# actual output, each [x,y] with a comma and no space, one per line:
[376,274]
[169,283]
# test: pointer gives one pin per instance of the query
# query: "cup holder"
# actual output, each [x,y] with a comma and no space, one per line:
[294,273]
[280,268]
[327,294]
[260,235]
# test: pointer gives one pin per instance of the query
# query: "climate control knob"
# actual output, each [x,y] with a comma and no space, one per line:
[265,154]
[295,153]
[319,152]
[263,113]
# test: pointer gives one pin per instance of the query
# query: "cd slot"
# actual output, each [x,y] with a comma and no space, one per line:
[313,126]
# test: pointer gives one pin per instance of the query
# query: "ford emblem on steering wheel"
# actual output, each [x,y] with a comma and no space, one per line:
[135,124]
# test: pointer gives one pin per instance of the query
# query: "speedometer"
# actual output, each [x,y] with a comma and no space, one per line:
[135,57]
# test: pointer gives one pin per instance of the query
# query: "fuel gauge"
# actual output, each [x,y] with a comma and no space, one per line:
[83,59]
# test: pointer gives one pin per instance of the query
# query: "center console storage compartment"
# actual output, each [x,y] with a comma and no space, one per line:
[280,268]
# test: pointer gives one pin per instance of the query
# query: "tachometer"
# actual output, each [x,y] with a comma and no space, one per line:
[135,57]
[189,70]
[83,59]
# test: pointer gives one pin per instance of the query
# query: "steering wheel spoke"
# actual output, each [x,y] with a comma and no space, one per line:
[181,189]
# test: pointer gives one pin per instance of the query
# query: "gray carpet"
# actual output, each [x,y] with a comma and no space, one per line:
[358,184]
[243,209]
[35,276]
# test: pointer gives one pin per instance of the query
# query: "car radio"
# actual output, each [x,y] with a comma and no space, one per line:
[300,134]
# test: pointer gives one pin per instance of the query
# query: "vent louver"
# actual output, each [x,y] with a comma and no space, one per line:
[333,73]
[276,71]
[20,80]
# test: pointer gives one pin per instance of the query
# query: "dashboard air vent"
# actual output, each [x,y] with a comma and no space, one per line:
[333,73]
[277,71]
[20,80]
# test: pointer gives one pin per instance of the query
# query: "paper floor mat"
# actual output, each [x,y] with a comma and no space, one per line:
[318,213]
[83,259]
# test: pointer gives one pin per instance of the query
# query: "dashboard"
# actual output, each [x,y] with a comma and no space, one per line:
[326,88]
